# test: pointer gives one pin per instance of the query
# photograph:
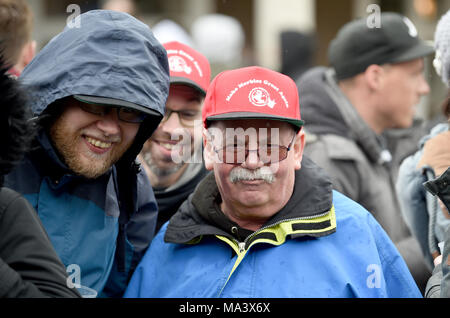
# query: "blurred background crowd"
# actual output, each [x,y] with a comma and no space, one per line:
[289,36]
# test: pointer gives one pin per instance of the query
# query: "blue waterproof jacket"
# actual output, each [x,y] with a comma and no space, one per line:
[321,244]
[100,227]
[419,208]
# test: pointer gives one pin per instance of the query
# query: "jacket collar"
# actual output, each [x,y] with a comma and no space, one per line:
[328,111]
[311,199]
[49,150]
[372,144]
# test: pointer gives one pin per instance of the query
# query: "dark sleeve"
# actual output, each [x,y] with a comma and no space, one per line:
[445,286]
[440,187]
[433,288]
[29,265]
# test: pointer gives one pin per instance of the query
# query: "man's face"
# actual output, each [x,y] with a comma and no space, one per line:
[88,143]
[403,85]
[248,195]
[175,132]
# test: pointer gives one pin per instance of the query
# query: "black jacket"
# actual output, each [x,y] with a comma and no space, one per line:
[170,201]
[29,266]
[439,283]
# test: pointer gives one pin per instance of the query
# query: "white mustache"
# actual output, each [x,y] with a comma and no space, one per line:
[241,174]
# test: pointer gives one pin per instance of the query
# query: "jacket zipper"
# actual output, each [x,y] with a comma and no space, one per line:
[242,245]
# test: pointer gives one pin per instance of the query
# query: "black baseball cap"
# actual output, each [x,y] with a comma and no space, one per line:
[362,42]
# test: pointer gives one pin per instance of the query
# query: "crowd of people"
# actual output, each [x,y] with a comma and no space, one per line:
[128,170]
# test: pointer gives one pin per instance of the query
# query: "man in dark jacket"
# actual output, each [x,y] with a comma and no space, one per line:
[29,265]
[439,284]
[98,93]
[374,83]
[172,157]
[426,212]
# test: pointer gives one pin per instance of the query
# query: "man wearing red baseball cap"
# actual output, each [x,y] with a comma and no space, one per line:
[266,223]
[172,156]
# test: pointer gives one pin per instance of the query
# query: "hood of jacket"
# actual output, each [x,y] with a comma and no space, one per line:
[312,197]
[111,54]
[326,110]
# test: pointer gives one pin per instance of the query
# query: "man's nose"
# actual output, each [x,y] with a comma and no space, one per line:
[171,123]
[424,88]
[109,123]
[252,161]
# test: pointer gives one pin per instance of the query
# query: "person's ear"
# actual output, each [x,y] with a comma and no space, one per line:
[28,53]
[374,76]
[298,147]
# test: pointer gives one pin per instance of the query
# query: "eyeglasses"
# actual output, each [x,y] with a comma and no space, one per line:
[267,154]
[186,117]
[123,113]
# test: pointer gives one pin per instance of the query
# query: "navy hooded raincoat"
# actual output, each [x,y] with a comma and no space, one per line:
[100,227]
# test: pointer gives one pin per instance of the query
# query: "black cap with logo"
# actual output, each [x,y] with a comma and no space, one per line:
[361,43]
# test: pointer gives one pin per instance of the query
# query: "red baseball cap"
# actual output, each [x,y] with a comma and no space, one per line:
[188,66]
[252,93]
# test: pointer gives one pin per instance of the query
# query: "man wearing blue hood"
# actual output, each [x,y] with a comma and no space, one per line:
[98,93]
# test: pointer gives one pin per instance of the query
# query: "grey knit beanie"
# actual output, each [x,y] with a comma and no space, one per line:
[442,45]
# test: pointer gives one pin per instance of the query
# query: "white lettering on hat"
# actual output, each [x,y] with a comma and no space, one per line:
[266,82]
[240,85]
[411,28]
[258,96]
[178,64]
[252,81]
[284,99]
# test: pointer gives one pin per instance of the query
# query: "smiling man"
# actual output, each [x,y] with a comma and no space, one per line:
[98,93]
[266,222]
[172,157]
[88,145]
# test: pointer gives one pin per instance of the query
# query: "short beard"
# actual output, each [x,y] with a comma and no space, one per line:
[157,171]
[66,143]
